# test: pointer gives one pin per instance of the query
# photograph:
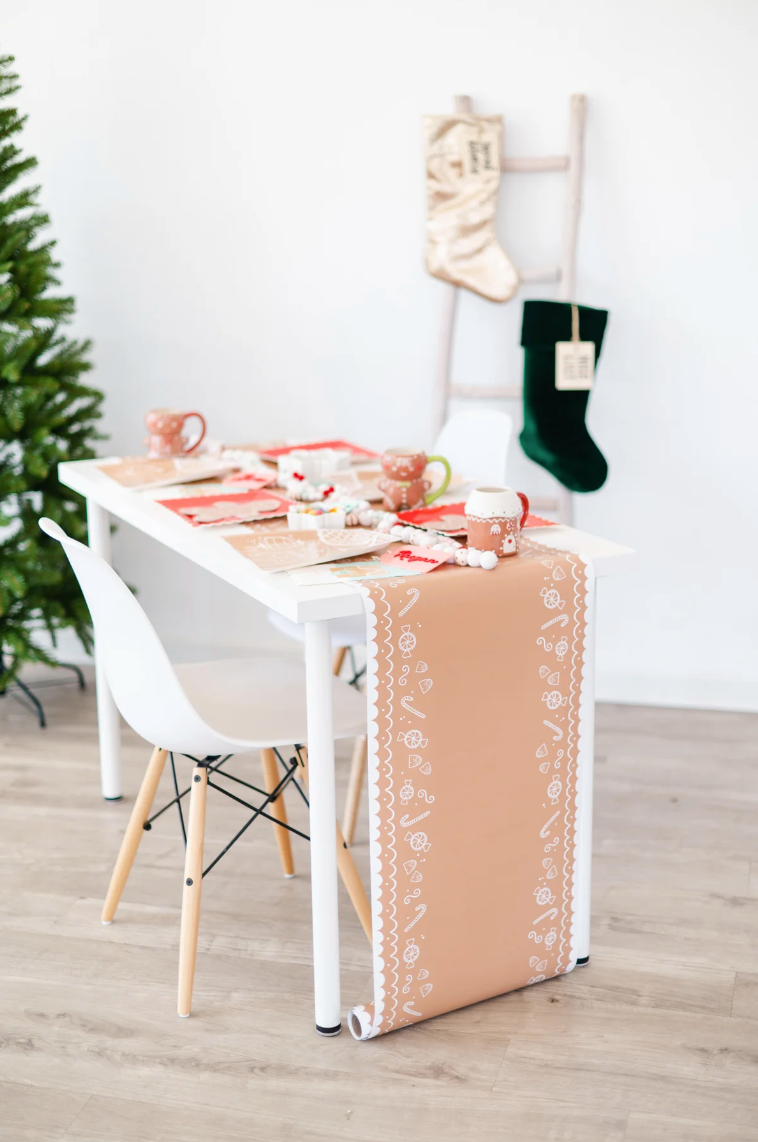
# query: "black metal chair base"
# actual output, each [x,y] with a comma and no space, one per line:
[213,765]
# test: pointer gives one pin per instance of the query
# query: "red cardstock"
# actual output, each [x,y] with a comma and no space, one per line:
[358,453]
[451,518]
[229,507]
[415,558]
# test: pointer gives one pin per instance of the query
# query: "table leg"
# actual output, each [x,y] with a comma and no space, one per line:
[108,723]
[326,945]
[585,789]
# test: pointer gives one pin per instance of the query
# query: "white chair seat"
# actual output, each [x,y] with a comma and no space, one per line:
[260,702]
[347,631]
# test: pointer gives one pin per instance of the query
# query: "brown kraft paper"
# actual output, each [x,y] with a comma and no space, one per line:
[475,726]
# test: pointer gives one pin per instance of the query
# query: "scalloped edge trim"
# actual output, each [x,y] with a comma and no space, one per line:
[584,752]
[369,1017]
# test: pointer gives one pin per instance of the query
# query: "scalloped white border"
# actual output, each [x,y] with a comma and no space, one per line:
[585,760]
[363,1023]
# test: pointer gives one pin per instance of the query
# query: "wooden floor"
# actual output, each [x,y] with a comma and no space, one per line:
[655,1041]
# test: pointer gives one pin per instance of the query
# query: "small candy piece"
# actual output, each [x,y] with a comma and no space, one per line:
[367,518]
[461,557]
[488,560]
[473,557]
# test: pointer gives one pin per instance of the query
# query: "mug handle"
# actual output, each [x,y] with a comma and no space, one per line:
[201,418]
[429,498]
[525,506]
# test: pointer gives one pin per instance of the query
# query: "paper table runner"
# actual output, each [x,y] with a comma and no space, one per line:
[475,729]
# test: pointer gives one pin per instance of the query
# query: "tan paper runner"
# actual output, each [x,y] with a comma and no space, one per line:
[475,723]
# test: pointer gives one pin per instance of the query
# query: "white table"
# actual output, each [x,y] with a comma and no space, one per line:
[315,607]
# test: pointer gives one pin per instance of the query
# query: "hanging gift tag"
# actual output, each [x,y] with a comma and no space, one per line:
[574,364]
[482,153]
[574,359]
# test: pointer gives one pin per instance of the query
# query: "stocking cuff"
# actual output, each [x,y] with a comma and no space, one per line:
[546,322]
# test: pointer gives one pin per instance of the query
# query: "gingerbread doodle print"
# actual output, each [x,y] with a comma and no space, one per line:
[472,766]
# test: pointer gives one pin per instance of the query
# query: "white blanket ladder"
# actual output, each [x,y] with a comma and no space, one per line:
[564,274]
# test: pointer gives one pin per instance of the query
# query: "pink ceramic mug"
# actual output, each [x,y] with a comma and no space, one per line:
[495,517]
[165,427]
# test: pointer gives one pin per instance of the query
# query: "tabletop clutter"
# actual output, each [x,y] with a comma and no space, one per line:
[326,502]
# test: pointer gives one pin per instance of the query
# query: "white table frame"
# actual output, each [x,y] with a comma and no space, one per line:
[315,607]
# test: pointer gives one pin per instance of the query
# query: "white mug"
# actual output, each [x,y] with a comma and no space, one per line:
[486,502]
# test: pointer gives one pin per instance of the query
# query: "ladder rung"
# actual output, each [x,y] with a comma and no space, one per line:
[526,166]
[485,392]
[534,277]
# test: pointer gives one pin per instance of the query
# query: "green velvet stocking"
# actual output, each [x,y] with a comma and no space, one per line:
[554,433]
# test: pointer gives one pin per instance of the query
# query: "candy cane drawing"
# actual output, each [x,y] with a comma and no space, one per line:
[409,1010]
[404,702]
[546,916]
[421,909]
[558,734]
[406,824]
[411,591]
[546,827]
[560,619]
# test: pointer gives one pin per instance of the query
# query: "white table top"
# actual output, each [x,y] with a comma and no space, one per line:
[206,547]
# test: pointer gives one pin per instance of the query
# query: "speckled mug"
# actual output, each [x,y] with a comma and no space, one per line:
[165,427]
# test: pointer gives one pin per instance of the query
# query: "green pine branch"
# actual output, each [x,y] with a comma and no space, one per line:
[47,414]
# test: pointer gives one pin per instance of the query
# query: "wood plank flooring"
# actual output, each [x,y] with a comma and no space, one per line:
[655,1041]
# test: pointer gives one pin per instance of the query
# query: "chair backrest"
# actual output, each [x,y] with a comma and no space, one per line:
[476,441]
[142,680]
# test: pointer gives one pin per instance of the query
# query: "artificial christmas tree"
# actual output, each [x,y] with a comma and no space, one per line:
[46,415]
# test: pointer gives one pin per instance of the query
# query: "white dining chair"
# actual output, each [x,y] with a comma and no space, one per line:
[476,443]
[206,711]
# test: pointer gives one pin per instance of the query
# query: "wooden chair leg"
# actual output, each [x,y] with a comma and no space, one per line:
[133,834]
[279,810]
[339,658]
[346,867]
[193,883]
[354,786]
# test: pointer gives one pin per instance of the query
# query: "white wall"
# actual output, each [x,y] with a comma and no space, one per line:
[237,193]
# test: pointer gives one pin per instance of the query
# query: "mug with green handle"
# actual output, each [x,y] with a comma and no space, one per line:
[403,485]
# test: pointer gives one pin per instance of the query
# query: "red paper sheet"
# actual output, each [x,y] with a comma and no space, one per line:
[210,510]
[451,518]
[357,452]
